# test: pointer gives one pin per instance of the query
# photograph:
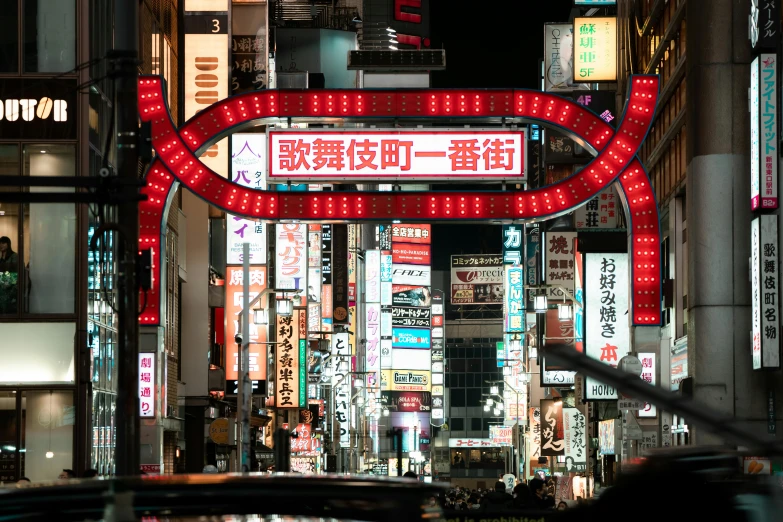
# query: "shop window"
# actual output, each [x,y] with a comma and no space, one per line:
[9,235]
[8,425]
[9,38]
[47,433]
[49,35]
[49,276]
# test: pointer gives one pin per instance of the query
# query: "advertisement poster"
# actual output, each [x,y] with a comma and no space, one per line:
[411,317]
[418,338]
[406,274]
[406,401]
[477,279]
[411,295]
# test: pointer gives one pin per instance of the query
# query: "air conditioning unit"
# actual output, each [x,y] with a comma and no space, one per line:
[292,80]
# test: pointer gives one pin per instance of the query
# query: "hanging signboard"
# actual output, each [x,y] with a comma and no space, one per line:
[257,333]
[765,309]
[552,434]
[559,261]
[575,437]
[607,331]
[291,257]
[411,253]
[340,274]
[512,244]
[601,212]
[595,49]
[341,384]
[147,385]
[764,31]
[764,155]
[419,234]
[558,57]
[416,154]
[291,361]
[648,375]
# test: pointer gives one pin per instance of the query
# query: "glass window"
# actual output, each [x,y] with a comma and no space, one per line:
[457,398]
[49,35]
[473,397]
[475,424]
[8,426]
[457,365]
[9,235]
[458,424]
[37,353]
[9,37]
[50,236]
[47,433]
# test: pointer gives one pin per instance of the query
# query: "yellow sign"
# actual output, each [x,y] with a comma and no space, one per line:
[206,5]
[595,49]
[218,431]
[406,380]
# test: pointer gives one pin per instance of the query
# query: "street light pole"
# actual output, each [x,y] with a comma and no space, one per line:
[125,56]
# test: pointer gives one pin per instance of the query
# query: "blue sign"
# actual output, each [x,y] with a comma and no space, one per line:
[292,188]
[386,268]
[515,299]
[595,2]
[418,338]
[512,244]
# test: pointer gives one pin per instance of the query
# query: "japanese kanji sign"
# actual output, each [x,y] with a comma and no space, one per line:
[552,435]
[559,249]
[595,49]
[575,437]
[600,212]
[420,234]
[291,257]
[534,438]
[764,288]
[427,154]
[607,327]
[289,362]
[502,435]
[340,274]
[764,155]
[147,385]
[412,317]
[648,375]
[258,361]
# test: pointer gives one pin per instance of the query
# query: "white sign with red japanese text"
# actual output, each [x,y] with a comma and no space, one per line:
[291,257]
[607,329]
[420,154]
[341,384]
[559,250]
[502,435]
[147,385]
[648,375]
[472,443]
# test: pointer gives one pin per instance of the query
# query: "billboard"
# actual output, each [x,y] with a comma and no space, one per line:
[477,279]
[406,380]
[595,49]
[558,57]
[407,402]
[422,154]
[419,234]
[765,309]
[411,359]
[233,305]
[405,274]
[411,295]
[411,253]
[417,338]
[764,153]
[411,317]
[607,330]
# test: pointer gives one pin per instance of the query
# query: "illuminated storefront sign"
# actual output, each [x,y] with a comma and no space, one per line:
[341,363]
[558,50]
[257,334]
[373,317]
[765,309]
[396,154]
[147,385]
[648,375]
[291,362]
[477,279]
[420,234]
[607,330]
[291,252]
[38,109]
[418,338]
[764,153]
[515,300]
[411,254]
[206,74]
[595,49]
[558,261]
[501,435]
[406,380]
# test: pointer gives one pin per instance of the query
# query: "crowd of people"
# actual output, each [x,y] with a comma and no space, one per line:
[535,495]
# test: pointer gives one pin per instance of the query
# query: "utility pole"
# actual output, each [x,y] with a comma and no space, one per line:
[125,56]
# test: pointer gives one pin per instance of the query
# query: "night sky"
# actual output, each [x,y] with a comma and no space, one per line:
[489,44]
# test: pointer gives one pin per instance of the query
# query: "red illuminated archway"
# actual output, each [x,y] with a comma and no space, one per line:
[177,160]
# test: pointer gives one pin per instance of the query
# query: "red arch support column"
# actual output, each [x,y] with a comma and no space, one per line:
[177,159]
